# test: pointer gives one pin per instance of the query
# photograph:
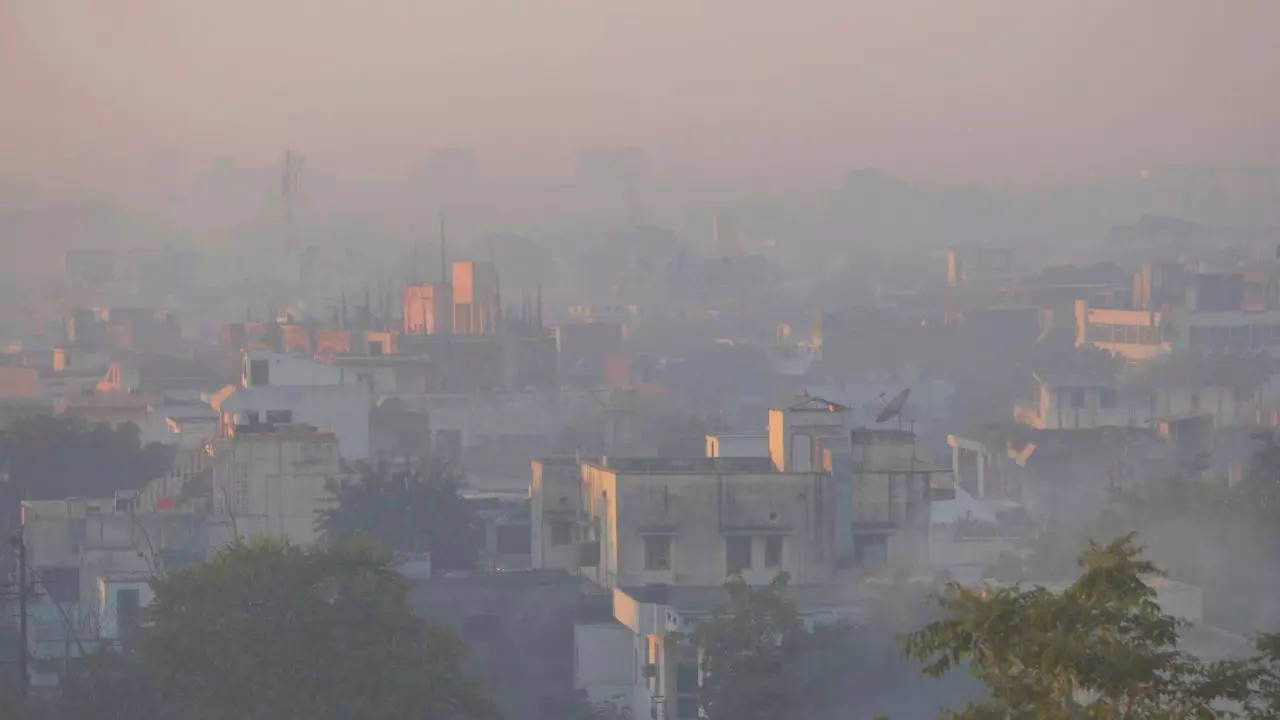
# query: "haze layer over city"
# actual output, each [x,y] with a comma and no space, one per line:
[561,360]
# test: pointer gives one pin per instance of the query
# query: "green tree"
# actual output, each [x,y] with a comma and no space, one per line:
[1101,649]
[47,457]
[416,509]
[266,630]
[759,662]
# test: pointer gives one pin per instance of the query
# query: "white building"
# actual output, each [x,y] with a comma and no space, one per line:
[273,481]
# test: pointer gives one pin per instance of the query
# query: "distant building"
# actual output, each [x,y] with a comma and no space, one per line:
[1135,335]
[731,445]
[91,267]
[1075,402]
[979,267]
[428,309]
[476,301]
[584,349]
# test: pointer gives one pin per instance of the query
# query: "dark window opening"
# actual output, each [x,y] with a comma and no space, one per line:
[128,603]
[561,533]
[737,553]
[259,372]
[773,551]
[657,552]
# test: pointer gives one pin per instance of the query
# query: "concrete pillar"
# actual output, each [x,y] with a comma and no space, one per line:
[982,475]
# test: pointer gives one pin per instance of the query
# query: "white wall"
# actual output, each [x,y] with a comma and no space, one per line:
[737,446]
[604,662]
[341,409]
[108,606]
[288,370]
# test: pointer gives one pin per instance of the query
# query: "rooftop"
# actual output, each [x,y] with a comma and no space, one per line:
[702,600]
[685,465]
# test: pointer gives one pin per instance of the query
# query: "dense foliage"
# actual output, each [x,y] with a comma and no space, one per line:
[274,631]
[1099,650]
[760,662]
[47,458]
[415,509]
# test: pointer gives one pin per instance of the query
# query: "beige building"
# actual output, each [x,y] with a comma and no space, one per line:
[665,533]
[475,298]
[272,481]
[1135,335]
[1070,402]
[797,432]
[694,522]
[90,559]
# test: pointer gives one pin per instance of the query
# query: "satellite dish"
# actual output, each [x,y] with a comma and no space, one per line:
[894,407]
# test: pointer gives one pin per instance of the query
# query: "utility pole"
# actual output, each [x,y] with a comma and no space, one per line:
[24,679]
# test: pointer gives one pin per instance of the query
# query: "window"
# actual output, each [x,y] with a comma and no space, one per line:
[1077,398]
[258,372]
[737,553]
[448,445]
[870,549]
[687,707]
[560,532]
[127,604]
[657,552]
[1108,399]
[686,679]
[773,551]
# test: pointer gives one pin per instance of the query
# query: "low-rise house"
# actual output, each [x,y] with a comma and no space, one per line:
[272,480]
[89,560]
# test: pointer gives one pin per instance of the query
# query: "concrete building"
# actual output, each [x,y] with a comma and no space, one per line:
[476,301]
[656,521]
[979,267]
[888,491]
[91,559]
[263,367]
[343,410]
[796,432]
[273,481]
[557,536]
[428,309]
[737,445]
[663,534]
[17,381]
[1077,402]
[585,347]
[1135,335]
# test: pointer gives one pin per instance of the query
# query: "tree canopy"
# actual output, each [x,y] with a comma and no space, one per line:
[266,630]
[760,662]
[56,457]
[1101,649]
[415,509]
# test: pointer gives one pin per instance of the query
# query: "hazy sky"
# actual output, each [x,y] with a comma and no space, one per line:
[984,90]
